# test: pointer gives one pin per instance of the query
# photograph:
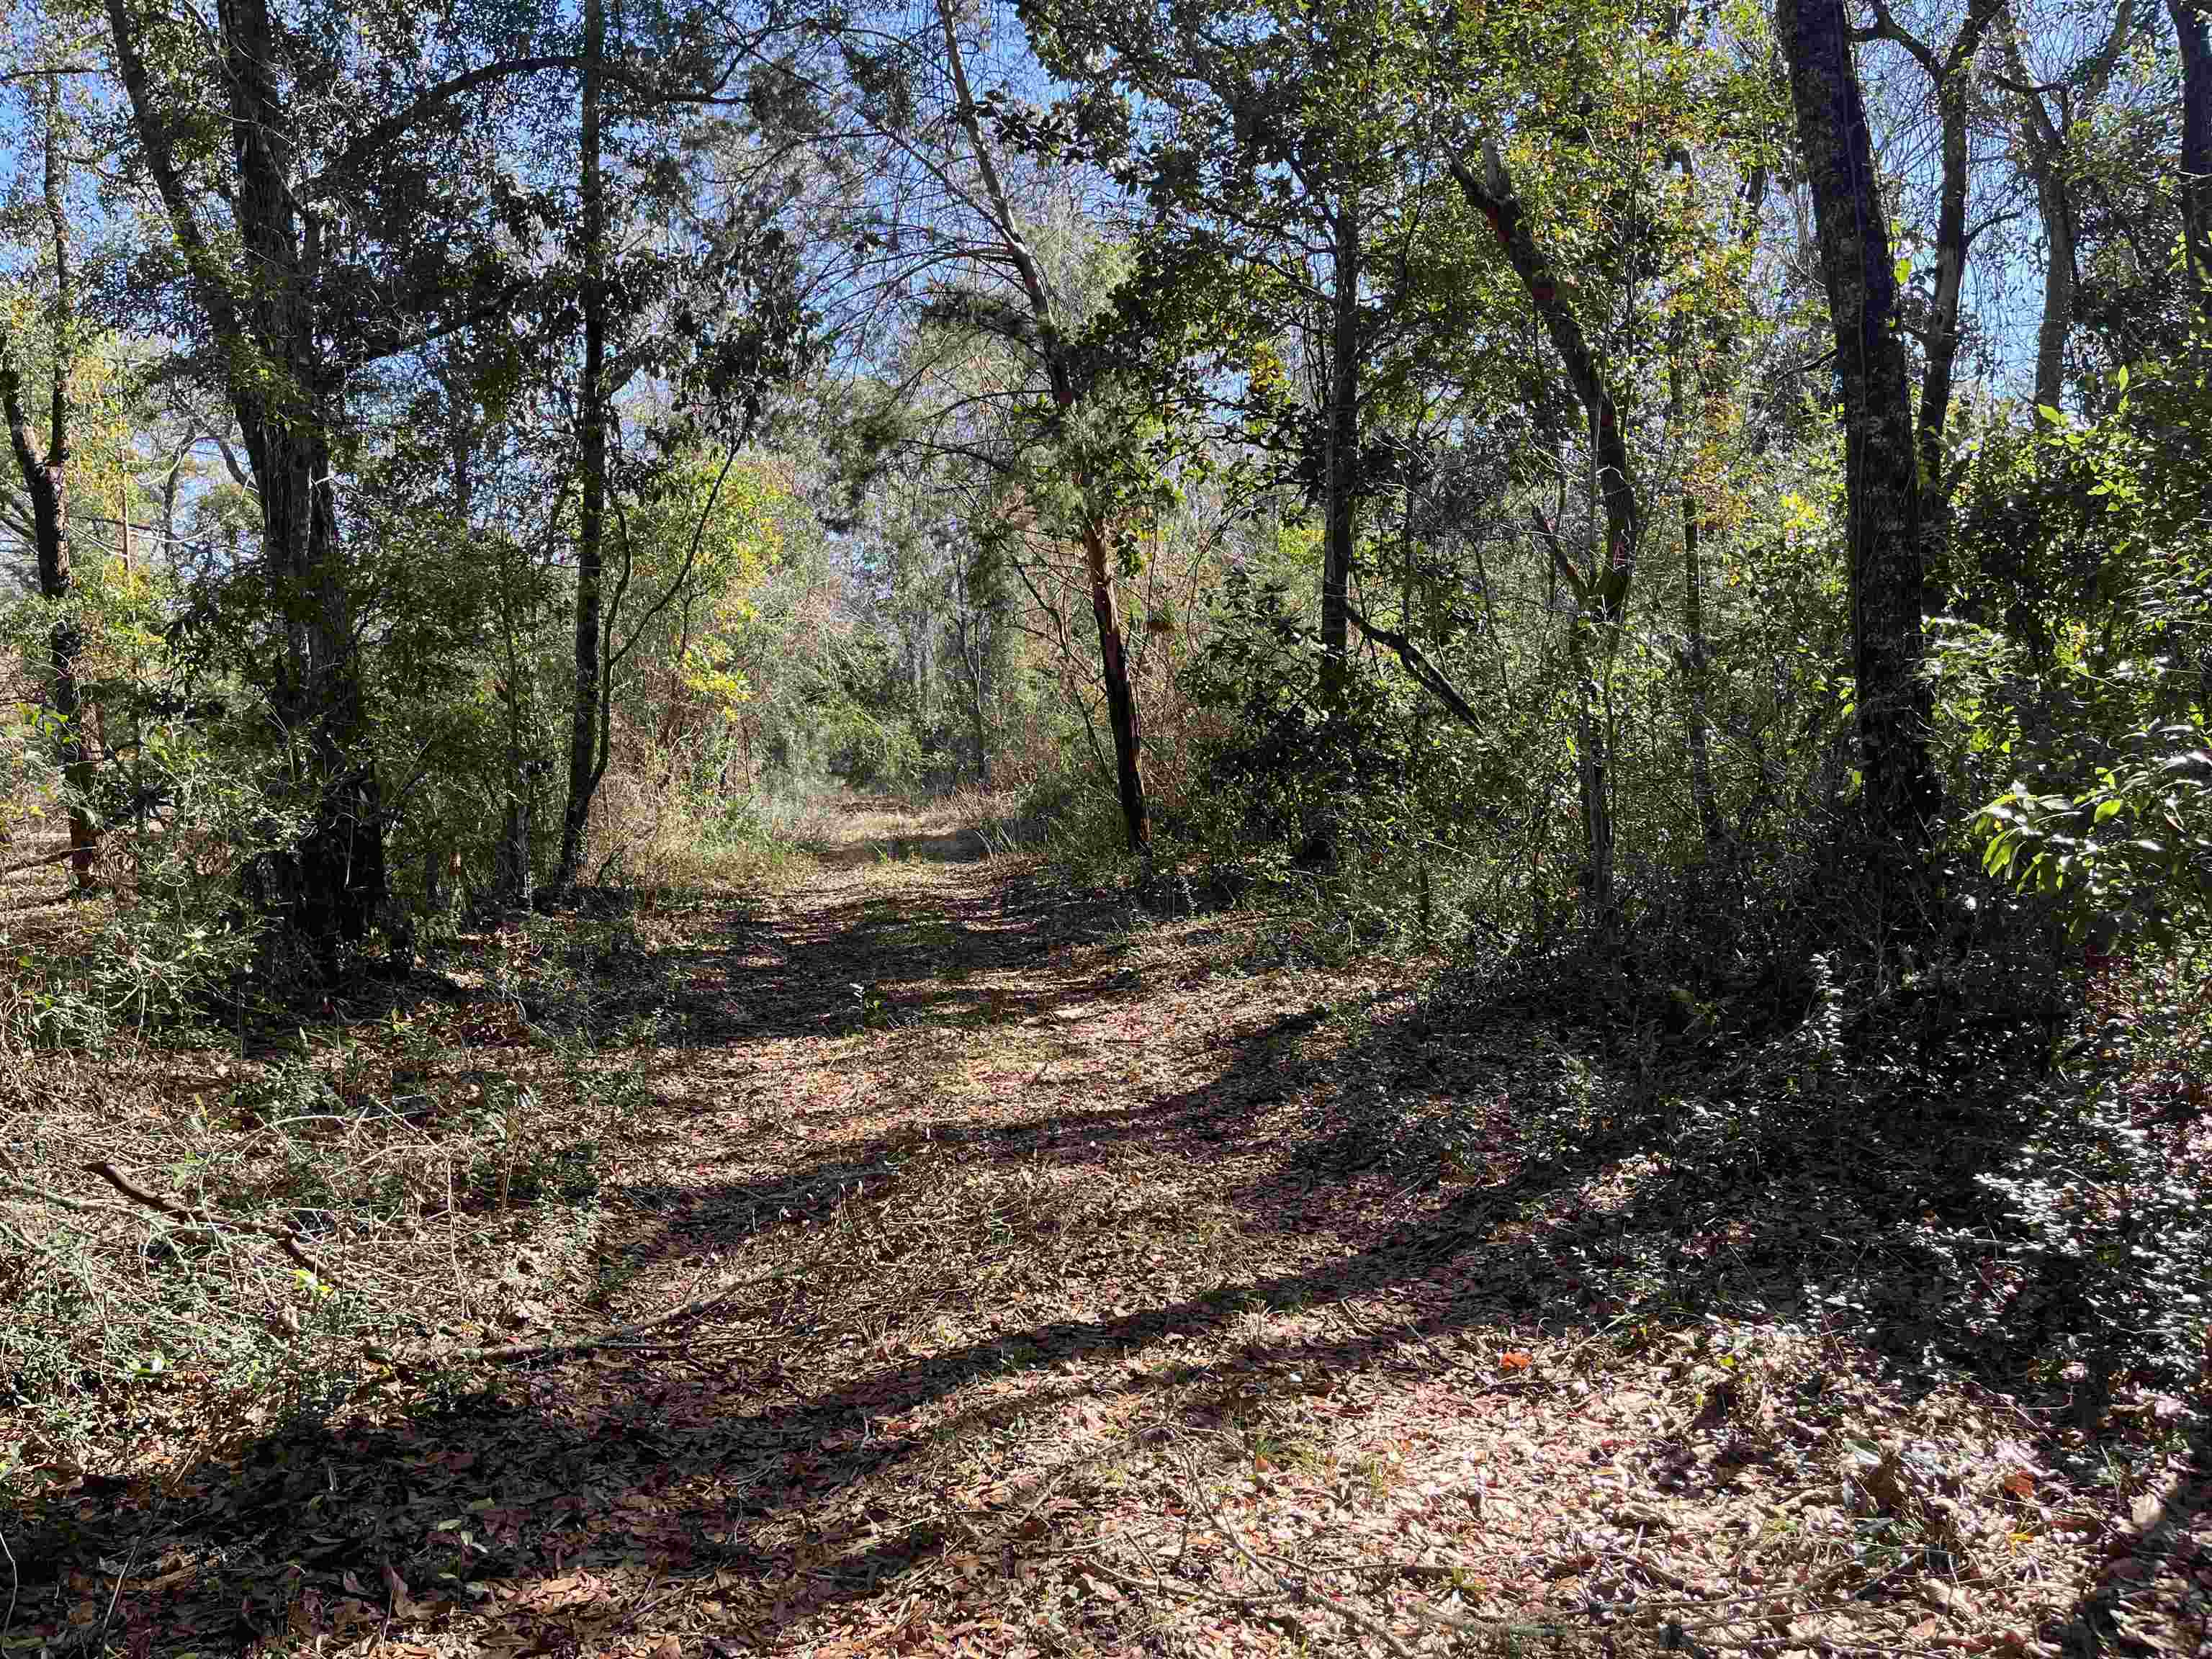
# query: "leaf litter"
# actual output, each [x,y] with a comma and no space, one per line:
[985,1269]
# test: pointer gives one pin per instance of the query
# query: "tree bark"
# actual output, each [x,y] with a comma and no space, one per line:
[1881,465]
[972,640]
[1943,332]
[586,761]
[1095,533]
[45,483]
[2044,145]
[2195,39]
[333,881]
[1341,483]
[2054,204]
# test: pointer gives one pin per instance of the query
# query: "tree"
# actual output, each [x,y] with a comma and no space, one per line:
[587,757]
[1601,144]
[1883,538]
[1950,70]
[700,301]
[1600,594]
[326,213]
[967,241]
[1285,154]
[2049,144]
[1698,350]
[1054,345]
[42,463]
[2193,36]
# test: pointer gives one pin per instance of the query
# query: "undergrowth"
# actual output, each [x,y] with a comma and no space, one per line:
[426,1177]
[1940,1169]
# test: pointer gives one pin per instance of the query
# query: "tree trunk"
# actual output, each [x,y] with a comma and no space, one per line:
[1587,647]
[1880,463]
[331,884]
[1341,483]
[1943,331]
[977,722]
[585,725]
[1120,695]
[2054,202]
[1696,355]
[333,881]
[973,643]
[2042,146]
[45,482]
[1950,74]
[2196,42]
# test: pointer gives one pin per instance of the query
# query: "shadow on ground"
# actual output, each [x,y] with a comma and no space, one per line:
[863,962]
[963,845]
[1560,1186]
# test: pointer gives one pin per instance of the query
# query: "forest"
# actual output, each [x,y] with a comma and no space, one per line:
[1168,827]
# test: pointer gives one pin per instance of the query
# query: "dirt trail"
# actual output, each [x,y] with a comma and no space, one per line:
[1073,1319]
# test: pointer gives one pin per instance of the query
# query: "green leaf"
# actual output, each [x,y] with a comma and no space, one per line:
[2107,809]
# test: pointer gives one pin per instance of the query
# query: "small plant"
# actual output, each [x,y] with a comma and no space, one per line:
[872,1011]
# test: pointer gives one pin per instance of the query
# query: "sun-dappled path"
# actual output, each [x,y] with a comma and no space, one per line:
[1082,1300]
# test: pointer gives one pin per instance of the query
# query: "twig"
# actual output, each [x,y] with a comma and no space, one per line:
[15,1584]
[42,860]
[1299,1592]
[1422,669]
[63,1200]
[288,1240]
[123,1572]
[615,1337]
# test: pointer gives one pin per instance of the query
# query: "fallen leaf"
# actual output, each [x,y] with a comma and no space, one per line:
[2020,1484]
[403,1601]
[1514,1360]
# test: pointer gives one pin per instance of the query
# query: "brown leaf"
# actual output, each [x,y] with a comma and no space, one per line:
[350,1611]
[403,1601]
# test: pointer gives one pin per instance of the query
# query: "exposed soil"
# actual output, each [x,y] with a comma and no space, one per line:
[1075,1311]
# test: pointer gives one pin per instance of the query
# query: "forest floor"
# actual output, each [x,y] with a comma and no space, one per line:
[1082,1281]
